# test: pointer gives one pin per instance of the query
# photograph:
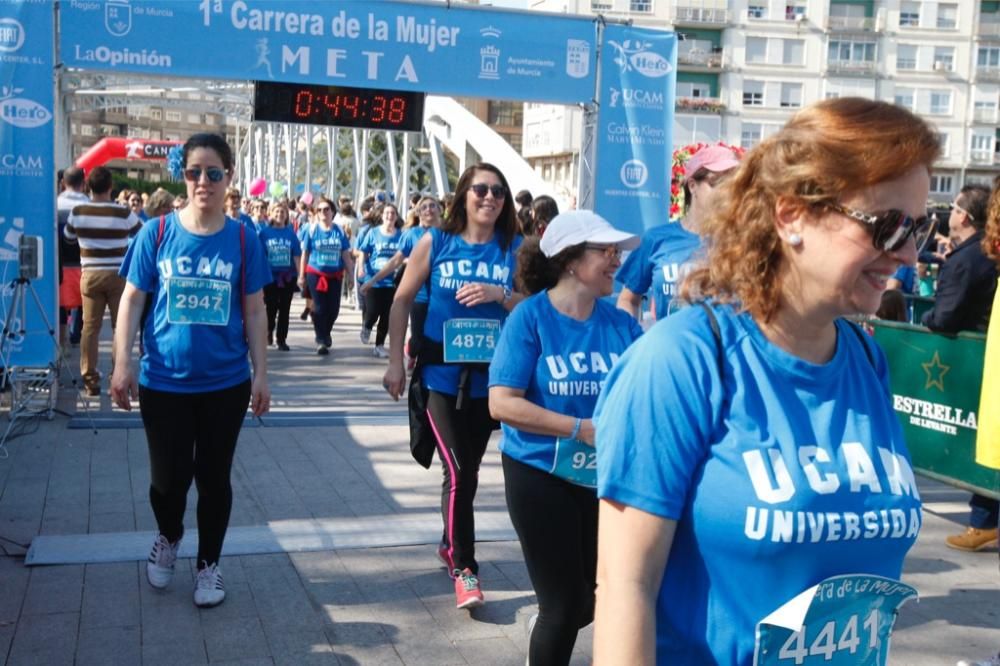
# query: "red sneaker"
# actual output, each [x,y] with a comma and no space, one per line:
[467,591]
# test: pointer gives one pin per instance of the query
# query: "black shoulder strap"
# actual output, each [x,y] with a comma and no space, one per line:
[863,338]
[716,333]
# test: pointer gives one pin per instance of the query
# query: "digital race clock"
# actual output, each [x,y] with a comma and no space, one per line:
[338,106]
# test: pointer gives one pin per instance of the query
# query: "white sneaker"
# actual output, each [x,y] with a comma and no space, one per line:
[990,661]
[380,352]
[208,589]
[162,558]
[366,335]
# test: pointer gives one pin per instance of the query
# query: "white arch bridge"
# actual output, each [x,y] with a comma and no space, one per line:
[328,159]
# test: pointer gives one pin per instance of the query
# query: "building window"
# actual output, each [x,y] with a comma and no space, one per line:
[795,10]
[600,6]
[985,110]
[756,10]
[941,184]
[86,130]
[940,102]
[173,116]
[944,58]
[641,6]
[505,114]
[906,56]
[688,89]
[753,93]
[909,15]
[905,98]
[988,57]
[851,51]
[750,135]
[194,119]
[793,52]
[156,114]
[982,147]
[791,95]
[947,17]
[943,143]
[756,50]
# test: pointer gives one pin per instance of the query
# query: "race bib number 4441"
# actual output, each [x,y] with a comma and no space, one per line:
[845,620]
[198,301]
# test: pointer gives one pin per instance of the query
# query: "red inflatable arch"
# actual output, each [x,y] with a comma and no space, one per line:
[114,148]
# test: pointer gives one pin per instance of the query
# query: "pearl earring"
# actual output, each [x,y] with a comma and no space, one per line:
[794,240]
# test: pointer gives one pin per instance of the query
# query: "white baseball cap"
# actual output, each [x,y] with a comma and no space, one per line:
[582,226]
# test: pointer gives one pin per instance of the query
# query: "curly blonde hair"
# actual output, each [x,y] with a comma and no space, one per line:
[826,151]
[991,241]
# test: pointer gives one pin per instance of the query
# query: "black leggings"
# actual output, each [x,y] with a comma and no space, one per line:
[418,316]
[377,308]
[461,437]
[193,436]
[279,303]
[556,522]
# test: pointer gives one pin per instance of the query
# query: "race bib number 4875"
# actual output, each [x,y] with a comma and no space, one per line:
[198,301]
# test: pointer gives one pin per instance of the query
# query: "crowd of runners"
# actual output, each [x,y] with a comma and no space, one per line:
[737,453]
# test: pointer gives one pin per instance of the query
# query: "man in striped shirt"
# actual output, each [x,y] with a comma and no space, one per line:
[102,228]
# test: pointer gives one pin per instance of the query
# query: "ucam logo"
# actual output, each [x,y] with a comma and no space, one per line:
[12,164]
[636,55]
[634,174]
[11,35]
[632,98]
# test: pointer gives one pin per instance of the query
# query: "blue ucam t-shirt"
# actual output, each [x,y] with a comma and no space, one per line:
[193,337]
[780,473]
[455,263]
[659,265]
[560,363]
[281,247]
[326,247]
[379,248]
[409,241]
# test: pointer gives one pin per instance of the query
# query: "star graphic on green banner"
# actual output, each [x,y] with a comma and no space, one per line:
[935,372]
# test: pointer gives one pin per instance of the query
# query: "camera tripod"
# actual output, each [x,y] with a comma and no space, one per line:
[26,383]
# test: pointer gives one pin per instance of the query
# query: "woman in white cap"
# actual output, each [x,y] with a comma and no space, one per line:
[554,353]
[667,250]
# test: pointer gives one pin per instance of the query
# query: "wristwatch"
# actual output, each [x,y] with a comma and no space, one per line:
[507,293]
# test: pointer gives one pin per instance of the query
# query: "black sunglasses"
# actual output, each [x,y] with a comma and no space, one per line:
[891,229]
[215,174]
[480,190]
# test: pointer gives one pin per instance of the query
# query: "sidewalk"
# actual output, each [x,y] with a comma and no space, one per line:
[359,605]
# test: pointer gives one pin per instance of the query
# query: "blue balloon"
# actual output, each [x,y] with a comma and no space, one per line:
[317,187]
[300,188]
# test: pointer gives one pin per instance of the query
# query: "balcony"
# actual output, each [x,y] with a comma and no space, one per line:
[988,116]
[987,73]
[989,27]
[857,67]
[983,157]
[713,105]
[701,16]
[699,59]
[850,23]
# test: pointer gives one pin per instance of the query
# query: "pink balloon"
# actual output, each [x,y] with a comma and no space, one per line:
[307,198]
[258,187]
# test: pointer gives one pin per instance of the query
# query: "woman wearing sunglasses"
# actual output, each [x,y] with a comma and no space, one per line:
[555,352]
[467,267]
[667,251]
[205,273]
[326,254]
[428,216]
[748,450]
[283,250]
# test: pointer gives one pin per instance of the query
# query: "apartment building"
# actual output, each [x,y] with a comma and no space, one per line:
[744,66]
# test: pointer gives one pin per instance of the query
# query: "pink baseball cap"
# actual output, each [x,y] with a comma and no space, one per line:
[713,158]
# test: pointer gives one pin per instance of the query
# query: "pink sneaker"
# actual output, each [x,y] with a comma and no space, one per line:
[467,591]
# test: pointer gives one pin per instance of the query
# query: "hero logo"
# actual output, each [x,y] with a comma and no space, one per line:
[11,35]
[635,55]
[634,174]
[21,112]
[631,98]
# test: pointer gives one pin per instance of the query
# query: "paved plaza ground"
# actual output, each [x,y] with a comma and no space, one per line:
[341,471]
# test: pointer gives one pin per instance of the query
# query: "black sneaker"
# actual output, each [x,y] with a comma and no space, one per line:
[305,314]
[322,350]
[283,347]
